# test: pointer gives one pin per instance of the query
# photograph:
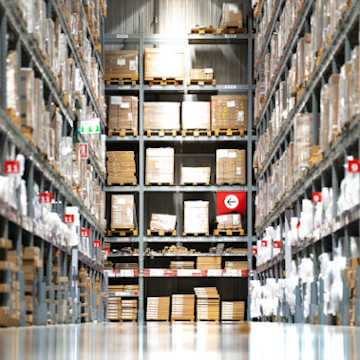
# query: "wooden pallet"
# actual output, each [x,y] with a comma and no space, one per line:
[196,132]
[203,30]
[161,132]
[164,81]
[231,30]
[121,79]
[150,232]
[156,320]
[123,232]
[121,183]
[201,82]
[229,232]
[183,319]
[195,234]
[207,320]
[123,132]
[229,132]
[158,184]
[196,184]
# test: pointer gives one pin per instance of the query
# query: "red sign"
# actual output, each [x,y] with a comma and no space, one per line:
[11,167]
[316,197]
[97,244]
[298,224]
[264,243]
[46,197]
[69,218]
[85,233]
[254,251]
[84,151]
[277,244]
[354,166]
[230,202]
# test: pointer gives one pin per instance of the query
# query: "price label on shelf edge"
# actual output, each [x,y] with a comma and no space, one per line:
[85,233]
[46,197]
[11,167]
[316,197]
[354,166]
[69,218]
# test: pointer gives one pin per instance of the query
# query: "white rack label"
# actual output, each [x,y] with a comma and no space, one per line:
[230,103]
[121,61]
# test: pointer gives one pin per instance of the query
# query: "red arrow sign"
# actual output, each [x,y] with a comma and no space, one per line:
[354,166]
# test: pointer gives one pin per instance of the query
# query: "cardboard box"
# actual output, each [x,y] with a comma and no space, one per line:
[162,222]
[12,87]
[182,265]
[27,100]
[207,304]
[161,116]
[196,217]
[231,15]
[208,262]
[121,167]
[122,212]
[123,113]
[229,221]
[229,112]
[195,175]
[196,115]
[233,310]
[164,63]
[236,265]
[158,308]
[122,63]
[159,166]
[204,74]
[230,166]
[182,307]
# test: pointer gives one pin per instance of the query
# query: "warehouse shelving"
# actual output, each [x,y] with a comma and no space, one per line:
[141,90]
[25,230]
[178,255]
[328,172]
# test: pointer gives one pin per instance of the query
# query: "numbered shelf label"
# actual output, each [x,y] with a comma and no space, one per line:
[69,218]
[277,244]
[84,151]
[354,166]
[97,243]
[85,233]
[11,167]
[254,251]
[46,197]
[106,251]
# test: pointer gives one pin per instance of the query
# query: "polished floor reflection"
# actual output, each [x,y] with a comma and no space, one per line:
[183,341]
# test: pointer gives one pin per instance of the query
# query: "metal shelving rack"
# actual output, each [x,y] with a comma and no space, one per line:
[142,139]
[24,230]
[326,173]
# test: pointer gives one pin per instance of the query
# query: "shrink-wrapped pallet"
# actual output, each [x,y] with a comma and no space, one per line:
[162,222]
[229,221]
[196,115]
[196,217]
[159,166]
[195,175]
[355,81]
[161,116]
[334,118]
[123,113]
[231,15]
[122,212]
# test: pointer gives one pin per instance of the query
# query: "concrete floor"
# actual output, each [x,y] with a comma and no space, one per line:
[183,341]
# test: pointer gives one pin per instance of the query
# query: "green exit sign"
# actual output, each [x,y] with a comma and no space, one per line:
[90,127]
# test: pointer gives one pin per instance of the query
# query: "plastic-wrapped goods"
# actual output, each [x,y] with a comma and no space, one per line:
[27,100]
[306,219]
[345,98]
[75,226]
[65,163]
[328,199]
[255,291]
[334,126]
[196,217]
[122,212]
[161,116]
[196,115]
[195,175]
[355,101]
[163,222]
[324,118]
[159,166]
[12,91]
[231,15]
[308,58]
[230,166]
[326,21]
[164,63]
[229,221]
[302,144]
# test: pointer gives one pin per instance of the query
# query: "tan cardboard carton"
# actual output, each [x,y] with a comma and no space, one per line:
[123,113]
[122,212]
[231,15]
[159,166]
[196,115]
[163,222]
[230,166]
[122,63]
[202,74]
[121,167]
[161,116]
[208,262]
[229,221]
[196,217]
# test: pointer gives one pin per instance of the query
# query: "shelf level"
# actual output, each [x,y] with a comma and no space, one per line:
[150,273]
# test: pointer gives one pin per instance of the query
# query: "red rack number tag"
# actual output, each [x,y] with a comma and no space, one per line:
[46,197]
[277,244]
[97,243]
[11,167]
[106,251]
[354,166]
[84,151]
[85,233]
[254,251]
[316,197]
[69,219]
[264,243]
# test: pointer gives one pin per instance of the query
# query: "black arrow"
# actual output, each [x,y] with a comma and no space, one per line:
[231,202]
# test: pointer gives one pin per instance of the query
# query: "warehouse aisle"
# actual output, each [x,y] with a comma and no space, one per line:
[180,341]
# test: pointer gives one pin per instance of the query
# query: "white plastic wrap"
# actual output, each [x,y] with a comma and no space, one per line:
[306,274]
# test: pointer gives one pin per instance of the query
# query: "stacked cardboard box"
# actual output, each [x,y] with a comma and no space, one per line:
[85,288]
[163,222]
[230,166]
[122,212]
[182,307]
[123,113]
[159,166]
[121,167]
[231,16]
[350,275]
[204,74]
[119,266]
[164,63]
[236,265]
[195,175]
[158,308]
[229,112]
[229,221]
[196,217]
[161,116]
[233,310]
[129,309]
[114,308]
[122,64]
[208,262]
[196,115]
[182,265]
[207,304]
[133,289]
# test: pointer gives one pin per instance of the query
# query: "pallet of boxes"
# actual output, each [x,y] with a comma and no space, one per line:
[229,225]
[129,309]
[201,77]
[123,216]
[121,168]
[196,218]
[230,167]
[182,307]
[159,166]
[207,304]
[232,310]
[162,225]
[121,67]
[231,19]
[114,308]
[158,308]
[208,262]
[195,118]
